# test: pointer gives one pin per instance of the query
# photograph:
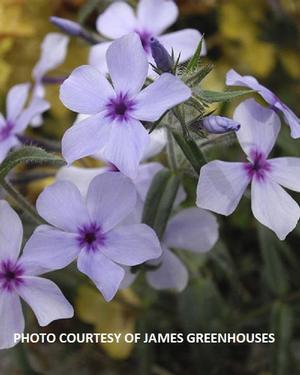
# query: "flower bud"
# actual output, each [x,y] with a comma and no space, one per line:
[161,56]
[69,27]
[219,124]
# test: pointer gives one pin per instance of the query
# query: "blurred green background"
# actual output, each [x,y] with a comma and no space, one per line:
[249,282]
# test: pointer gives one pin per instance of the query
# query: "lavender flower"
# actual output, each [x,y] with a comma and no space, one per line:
[235,79]
[114,128]
[153,17]
[89,230]
[222,184]
[219,124]
[192,229]
[69,27]
[53,53]
[18,278]
[17,117]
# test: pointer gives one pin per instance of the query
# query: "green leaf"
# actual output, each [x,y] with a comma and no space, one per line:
[219,97]
[195,60]
[193,79]
[28,154]
[160,200]
[191,151]
[274,269]
[282,327]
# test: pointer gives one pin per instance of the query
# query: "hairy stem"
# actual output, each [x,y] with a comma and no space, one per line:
[22,202]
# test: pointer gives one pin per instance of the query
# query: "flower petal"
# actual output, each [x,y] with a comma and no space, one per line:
[221,186]
[127,64]
[11,318]
[144,178]
[46,300]
[158,140]
[86,90]
[235,79]
[183,43]
[127,143]
[156,16]
[61,205]
[166,92]
[53,53]
[11,232]
[106,275]
[86,137]
[6,145]
[286,172]
[80,177]
[171,274]
[131,245]
[290,118]
[259,127]
[110,198]
[192,229]
[16,99]
[36,108]
[97,56]
[49,249]
[116,21]
[274,207]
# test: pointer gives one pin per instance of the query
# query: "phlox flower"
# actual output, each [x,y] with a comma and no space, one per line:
[192,229]
[222,184]
[88,229]
[19,278]
[235,79]
[18,116]
[53,53]
[152,18]
[115,127]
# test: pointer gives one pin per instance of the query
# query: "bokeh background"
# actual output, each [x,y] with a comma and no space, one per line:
[248,283]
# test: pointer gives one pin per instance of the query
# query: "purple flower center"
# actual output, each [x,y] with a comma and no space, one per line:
[91,237]
[145,37]
[6,131]
[10,275]
[259,166]
[119,108]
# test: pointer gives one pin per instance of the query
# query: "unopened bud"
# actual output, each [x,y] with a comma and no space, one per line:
[161,56]
[68,26]
[74,29]
[219,124]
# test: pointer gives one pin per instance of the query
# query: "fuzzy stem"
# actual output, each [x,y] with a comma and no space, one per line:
[22,202]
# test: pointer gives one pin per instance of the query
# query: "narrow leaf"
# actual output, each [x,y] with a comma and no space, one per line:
[28,154]
[282,327]
[191,151]
[194,61]
[219,97]
[160,200]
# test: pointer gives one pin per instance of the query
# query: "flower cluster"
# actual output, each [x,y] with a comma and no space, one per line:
[134,98]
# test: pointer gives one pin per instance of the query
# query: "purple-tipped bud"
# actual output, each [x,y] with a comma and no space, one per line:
[219,124]
[161,56]
[69,27]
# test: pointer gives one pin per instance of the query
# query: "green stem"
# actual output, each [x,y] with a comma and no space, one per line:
[22,202]
[171,151]
[23,361]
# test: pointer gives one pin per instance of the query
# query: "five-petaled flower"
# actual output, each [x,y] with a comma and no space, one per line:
[152,18]
[114,127]
[235,79]
[192,229]
[17,117]
[88,229]
[19,278]
[222,184]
